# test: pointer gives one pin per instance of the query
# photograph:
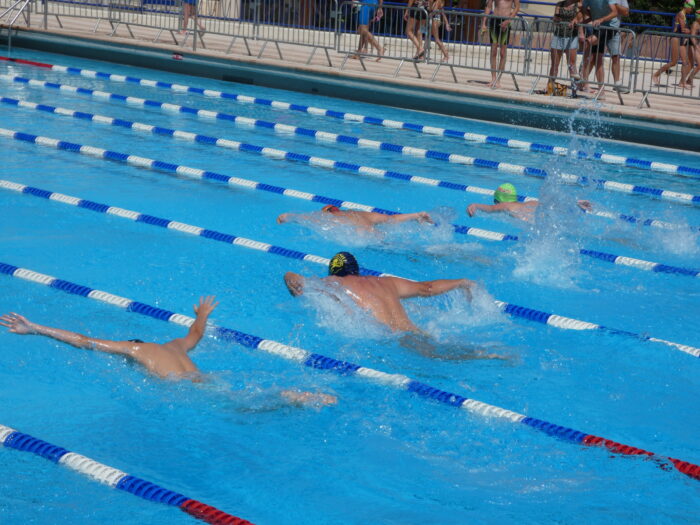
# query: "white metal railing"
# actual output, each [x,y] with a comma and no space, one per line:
[455,39]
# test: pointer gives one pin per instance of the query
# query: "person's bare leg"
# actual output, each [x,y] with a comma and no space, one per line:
[675,51]
[554,63]
[494,64]
[185,18]
[571,60]
[501,65]
[615,67]
[685,69]
[411,34]
[599,74]
[435,31]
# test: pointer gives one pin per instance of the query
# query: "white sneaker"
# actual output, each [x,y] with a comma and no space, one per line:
[620,88]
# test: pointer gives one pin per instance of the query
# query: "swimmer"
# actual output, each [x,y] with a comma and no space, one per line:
[381,296]
[364,220]
[167,360]
[505,200]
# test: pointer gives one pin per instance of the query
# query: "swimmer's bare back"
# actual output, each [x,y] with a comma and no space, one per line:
[164,360]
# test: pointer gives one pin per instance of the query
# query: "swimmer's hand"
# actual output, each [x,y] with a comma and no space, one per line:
[471,210]
[585,205]
[205,307]
[423,217]
[308,398]
[283,218]
[17,324]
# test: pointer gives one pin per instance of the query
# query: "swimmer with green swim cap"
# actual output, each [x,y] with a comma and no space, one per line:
[505,200]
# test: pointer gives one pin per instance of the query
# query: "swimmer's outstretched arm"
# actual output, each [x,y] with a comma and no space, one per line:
[380,218]
[406,288]
[21,325]
[203,310]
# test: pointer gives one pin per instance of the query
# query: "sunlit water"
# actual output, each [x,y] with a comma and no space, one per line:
[380,455]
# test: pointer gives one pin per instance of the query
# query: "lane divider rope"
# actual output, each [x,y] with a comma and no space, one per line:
[557,321]
[312,161]
[600,184]
[343,368]
[273,153]
[115,478]
[393,124]
[196,173]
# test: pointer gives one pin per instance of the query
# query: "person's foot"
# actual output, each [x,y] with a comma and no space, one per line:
[496,84]
[655,80]
[620,88]
[419,55]
[380,54]
[356,56]
[445,58]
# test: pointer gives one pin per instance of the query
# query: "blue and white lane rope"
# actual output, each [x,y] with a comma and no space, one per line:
[600,184]
[273,153]
[393,124]
[241,241]
[343,368]
[195,173]
[115,478]
[557,321]
[642,222]
[313,161]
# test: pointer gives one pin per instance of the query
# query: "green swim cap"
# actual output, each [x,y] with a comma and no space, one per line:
[689,3]
[505,193]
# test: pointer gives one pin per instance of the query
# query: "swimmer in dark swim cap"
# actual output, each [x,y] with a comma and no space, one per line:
[342,264]
[365,220]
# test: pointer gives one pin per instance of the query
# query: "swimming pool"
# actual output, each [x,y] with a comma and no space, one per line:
[380,455]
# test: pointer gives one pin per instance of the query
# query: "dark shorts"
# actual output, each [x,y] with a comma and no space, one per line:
[497,34]
[418,15]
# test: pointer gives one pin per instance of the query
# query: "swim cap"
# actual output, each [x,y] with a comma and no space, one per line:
[505,193]
[689,3]
[343,264]
[329,208]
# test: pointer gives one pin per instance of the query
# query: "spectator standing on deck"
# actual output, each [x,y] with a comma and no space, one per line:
[415,15]
[693,52]
[565,38]
[499,34]
[606,34]
[370,11]
[438,18]
[189,10]
[679,46]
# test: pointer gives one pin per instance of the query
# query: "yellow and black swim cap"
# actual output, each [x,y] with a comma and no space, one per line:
[343,264]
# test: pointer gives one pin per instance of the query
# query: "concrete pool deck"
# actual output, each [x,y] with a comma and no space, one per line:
[670,122]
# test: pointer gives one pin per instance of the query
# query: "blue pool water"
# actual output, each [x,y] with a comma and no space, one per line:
[381,455]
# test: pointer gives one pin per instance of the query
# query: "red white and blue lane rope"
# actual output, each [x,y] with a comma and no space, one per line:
[393,124]
[312,161]
[169,167]
[344,368]
[557,321]
[640,264]
[568,178]
[11,438]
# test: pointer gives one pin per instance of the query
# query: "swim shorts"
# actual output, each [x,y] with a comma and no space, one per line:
[498,34]
[607,37]
[367,10]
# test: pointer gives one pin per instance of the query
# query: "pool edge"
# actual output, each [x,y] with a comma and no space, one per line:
[650,131]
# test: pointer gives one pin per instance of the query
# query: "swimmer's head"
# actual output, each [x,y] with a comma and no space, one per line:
[689,4]
[343,264]
[505,193]
[329,208]
[135,341]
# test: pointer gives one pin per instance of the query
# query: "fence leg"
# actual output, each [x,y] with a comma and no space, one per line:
[415,66]
[311,56]
[262,49]
[645,100]
[435,72]
[328,57]
[534,84]
[515,81]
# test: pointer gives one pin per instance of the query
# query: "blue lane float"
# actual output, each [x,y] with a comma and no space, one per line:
[343,368]
[522,312]
[600,184]
[169,167]
[249,243]
[393,124]
[13,439]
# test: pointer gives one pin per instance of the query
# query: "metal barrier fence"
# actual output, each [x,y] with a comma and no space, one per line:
[667,63]
[456,39]
[397,32]
[613,50]
[500,45]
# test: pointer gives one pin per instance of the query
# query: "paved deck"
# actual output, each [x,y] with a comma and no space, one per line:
[663,108]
